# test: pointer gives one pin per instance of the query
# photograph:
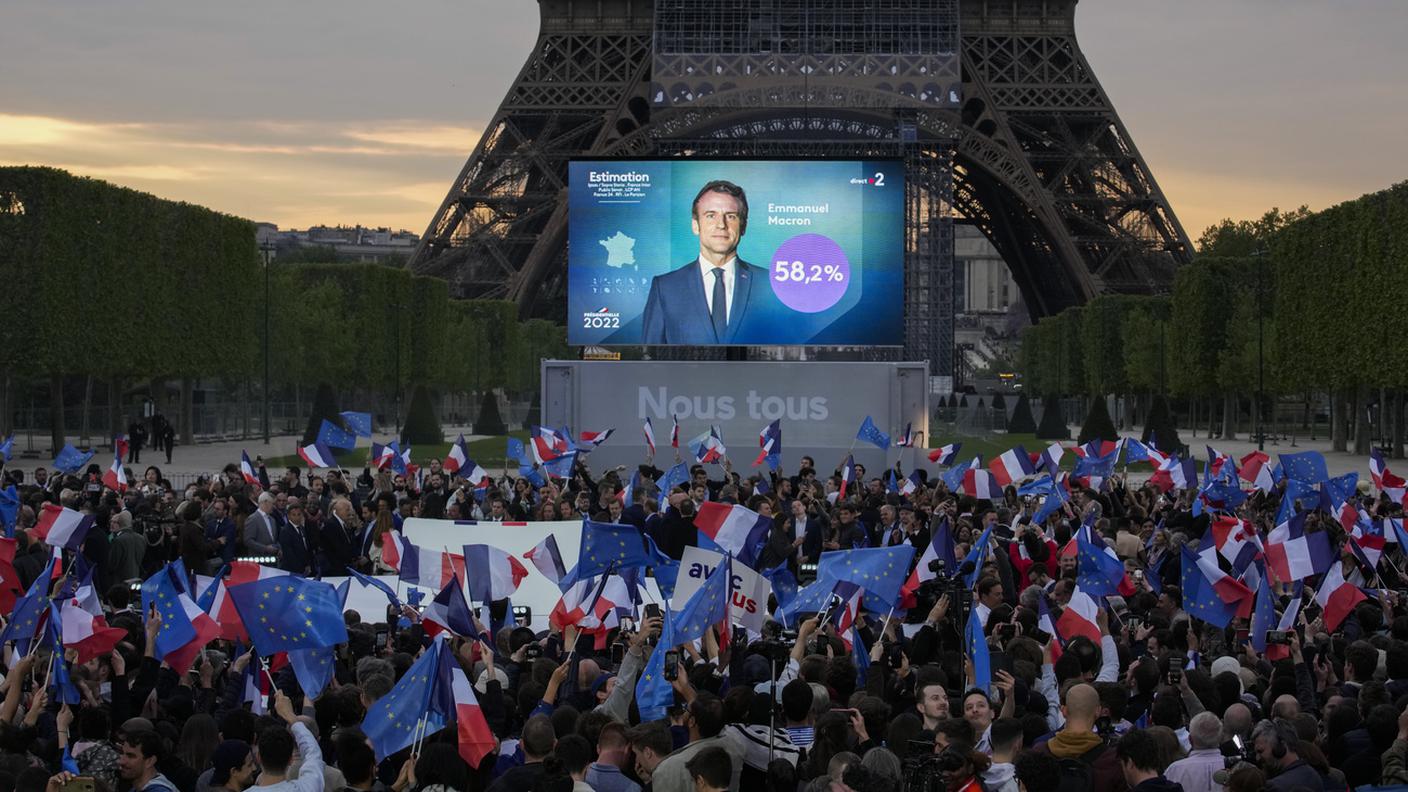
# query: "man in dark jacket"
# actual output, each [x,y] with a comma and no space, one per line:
[1277,749]
[342,539]
[1138,752]
[537,744]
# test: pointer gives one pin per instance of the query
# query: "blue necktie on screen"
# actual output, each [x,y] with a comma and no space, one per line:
[719,310]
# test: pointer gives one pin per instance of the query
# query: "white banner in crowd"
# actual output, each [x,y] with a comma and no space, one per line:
[750,590]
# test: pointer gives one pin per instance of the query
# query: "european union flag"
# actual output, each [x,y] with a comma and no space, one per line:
[861,656]
[654,694]
[531,473]
[9,509]
[1263,616]
[334,436]
[561,466]
[675,476]
[313,668]
[871,433]
[71,460]
[176,628]
[1096,466]
[63,685]
[1050,505]
[605,544]
[1098,573]
[289,613]
[1342,488]
[953,477]
[1220,495]
[1041,486]
[784,583]
[358,423]
[707,607]
[391,722]
[811,598]
[516,451]
[1307,466]
[977,554]
[879,570]
[976,644]
[23,626]
[376,584]
[1200,599]
[1297,493]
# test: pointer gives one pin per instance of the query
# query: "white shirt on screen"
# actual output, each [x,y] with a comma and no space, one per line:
[706,272]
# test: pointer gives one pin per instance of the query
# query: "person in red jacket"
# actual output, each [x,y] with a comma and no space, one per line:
[1031,546]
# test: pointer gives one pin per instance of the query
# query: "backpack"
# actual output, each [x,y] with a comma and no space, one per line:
[1078,775]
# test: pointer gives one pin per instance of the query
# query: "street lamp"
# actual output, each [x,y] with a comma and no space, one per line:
[267,248]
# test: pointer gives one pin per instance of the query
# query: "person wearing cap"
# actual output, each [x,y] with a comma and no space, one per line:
[232,766]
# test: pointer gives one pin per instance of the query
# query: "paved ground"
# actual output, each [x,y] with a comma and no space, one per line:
[210,457]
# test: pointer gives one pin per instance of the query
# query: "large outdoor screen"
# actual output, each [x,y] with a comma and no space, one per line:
[736,252]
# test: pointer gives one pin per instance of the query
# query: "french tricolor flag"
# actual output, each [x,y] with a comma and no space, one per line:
[430,568]
[1386,482]
[475,474]
[1256,469]
[476,740]
[60,526]
[1337,596]
[595,439]
[675,432]
[910,484]
[115,478]
[458,456]
[1175,473]
[848,476]
[1237,541]
[251,477]
[383,455]
[584,603]
[317,455]
[1011,466]
[222,608]
[649,430]
[1047,624]
[206,628]
[1229,589]
[1050,459]
[769,441]
[1081,617]
[737,529]
[548,559]
[1217,461]
[547,444]
[906,440]
[492,574]
[1292,554]
[945,455]
[83,626]
[981,484]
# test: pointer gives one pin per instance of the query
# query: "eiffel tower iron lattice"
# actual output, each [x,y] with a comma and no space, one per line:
[991,104]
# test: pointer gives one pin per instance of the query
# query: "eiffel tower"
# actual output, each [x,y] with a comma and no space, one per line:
[994,109]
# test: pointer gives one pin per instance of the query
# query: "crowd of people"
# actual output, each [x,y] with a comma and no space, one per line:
[1161,701]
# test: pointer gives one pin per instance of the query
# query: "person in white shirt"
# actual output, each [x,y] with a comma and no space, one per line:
[1195,771]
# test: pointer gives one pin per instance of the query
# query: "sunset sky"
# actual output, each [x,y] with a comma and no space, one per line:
[362,112]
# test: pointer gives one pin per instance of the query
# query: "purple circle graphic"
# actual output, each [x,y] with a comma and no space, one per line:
[809,273]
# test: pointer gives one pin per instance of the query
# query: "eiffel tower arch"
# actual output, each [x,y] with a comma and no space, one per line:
[991,104]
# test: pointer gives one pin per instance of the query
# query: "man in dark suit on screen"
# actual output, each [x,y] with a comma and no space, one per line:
[708,300]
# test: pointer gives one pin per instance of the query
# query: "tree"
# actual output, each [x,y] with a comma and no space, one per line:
[490,422]
[1053,421]
[1098,425]
[1022,421]
[1246,237]
[324,408]
[422,426]
[1160,428]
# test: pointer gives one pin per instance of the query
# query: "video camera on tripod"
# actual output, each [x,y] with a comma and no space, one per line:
[960,598]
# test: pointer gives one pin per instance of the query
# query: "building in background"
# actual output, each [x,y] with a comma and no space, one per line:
[350,243]
[988,313]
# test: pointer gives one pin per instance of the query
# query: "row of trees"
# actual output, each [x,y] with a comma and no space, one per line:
[1295,304]
[116,285]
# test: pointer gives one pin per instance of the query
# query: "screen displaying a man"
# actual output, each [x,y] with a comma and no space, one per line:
[708,300]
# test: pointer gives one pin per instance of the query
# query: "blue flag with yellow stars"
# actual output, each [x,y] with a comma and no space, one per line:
[654,694]
[59,679]
[1306,466]
[23,626]
[313,669]
[977,555]
[1097,573]
[879,570]
[1200,599]
[976,646]
[604,544]
[334,436]
[707,607]
[871,433]
[176,628]
[289,613]
[391,722]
